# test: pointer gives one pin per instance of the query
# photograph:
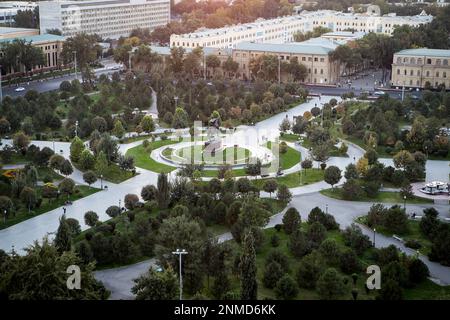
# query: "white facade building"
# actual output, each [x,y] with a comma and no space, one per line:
[9,9]
[280,30]
[106,18]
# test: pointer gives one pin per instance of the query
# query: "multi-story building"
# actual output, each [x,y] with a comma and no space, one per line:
[9,9]
[51,45]
[281,30]
[313,54]
[106,18]
[421,68]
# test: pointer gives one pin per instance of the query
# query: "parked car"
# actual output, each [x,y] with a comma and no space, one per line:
[19,89]
[379,93]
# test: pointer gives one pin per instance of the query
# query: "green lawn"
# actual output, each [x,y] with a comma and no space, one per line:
[47,205]
[334,151]
[383,196]
[288,159]
[289,137]
[293,180]
[143,160]
[413,233]
[239,155]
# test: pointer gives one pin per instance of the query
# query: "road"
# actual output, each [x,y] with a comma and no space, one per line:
[53,83]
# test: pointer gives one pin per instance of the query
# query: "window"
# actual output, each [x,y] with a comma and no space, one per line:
[428,61]
[399,60]
[445,62]
[412,61]
[428,73]
[437,74]
[438,62]
[398,71]
[418,72]
[411,72]
[405,72]
[444,74]
[316,59]
[419,61]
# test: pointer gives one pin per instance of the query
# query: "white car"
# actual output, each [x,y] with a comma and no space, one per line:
[19,89]
[379,93]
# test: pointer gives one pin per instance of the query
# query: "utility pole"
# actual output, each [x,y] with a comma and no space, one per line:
[76,128]
[180,254]
[76,75]
[403,92]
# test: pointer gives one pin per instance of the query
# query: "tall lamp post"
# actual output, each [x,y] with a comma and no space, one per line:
[404,203]
[4,215]
[374,232]
[76,128]
[279,69]
[101,181]
[180,254]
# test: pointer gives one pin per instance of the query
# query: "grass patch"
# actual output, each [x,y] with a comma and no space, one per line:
[383,196]
[413,233]
[47,205]
[143,160]
[293,180]
[288,159]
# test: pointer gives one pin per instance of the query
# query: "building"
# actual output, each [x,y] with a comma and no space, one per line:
[313,54]
[106,18]
[50,44]
[282,29]
[11,33]
[343,36]
[421,68]
[9,9]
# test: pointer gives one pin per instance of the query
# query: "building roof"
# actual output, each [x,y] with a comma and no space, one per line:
[36,39]
[425,52]
[312,46]
[165,51]
[7,30]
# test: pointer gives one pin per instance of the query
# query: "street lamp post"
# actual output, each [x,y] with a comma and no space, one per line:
[279,69]
[180,253]
[326,208]
[101,181]
[120,205]
[374,232]
[4,215]
[76,128]
[176,100]
[404,203]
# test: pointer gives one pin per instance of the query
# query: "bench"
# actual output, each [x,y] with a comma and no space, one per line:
[397,238]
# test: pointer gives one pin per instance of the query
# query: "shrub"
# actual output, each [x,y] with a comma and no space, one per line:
[130,201]
[286,288]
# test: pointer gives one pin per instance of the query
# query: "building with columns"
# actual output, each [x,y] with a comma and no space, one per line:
[421,68]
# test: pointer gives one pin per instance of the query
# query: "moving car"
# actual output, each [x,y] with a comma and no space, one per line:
[19,89]
[379,93]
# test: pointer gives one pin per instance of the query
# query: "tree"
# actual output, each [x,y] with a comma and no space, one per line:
[309,270]
[330,285]
[66,168]
[29,197]
[66,186]
[243,185]
[429,222]
[89,177]
[87,50]
[390,291]
[118,129]
[126,163]
[351,172]
[272,273]
[163,187]
[149,193]
[147,124]
[90,218]
[21,142]
[76,148]
[101,163]
[332,175]
[41,274]
[270,186]
[396,220]
[298,244]
[113,211]
[402,159]
[63,236]
[286,288]
[86,160]
[285,125]
[221,284]
[212,62]
[291,220]
[180,119]
[283,193]
[56,161]
[247,267]
[156,285]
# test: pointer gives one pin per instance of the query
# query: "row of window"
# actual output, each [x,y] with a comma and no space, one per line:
[437,62]
[427,73]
